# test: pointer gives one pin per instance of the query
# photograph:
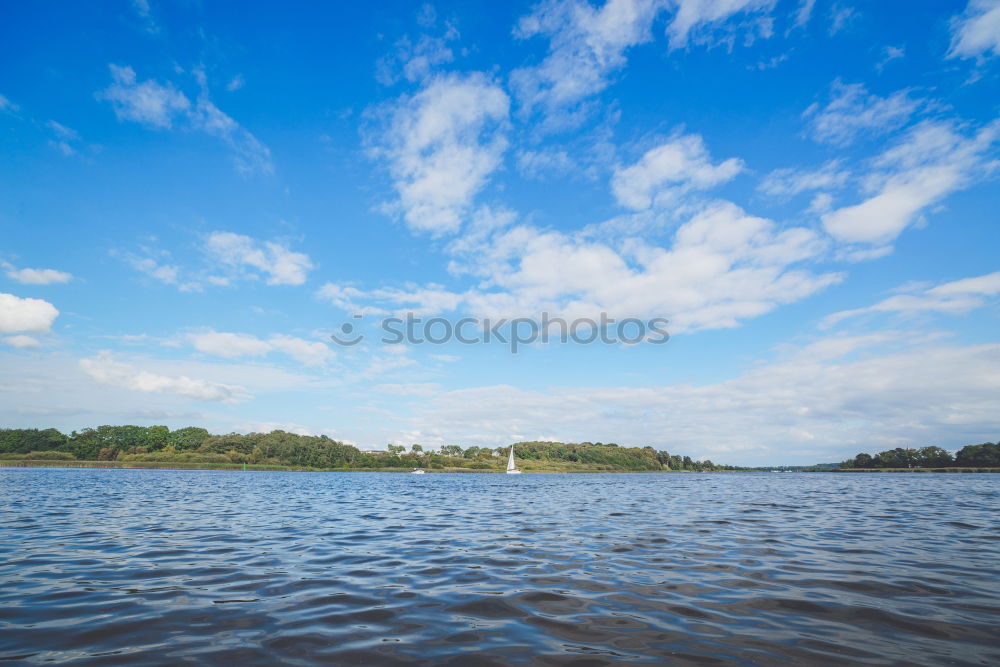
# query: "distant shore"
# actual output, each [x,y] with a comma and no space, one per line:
[148,465]
[953,469]
[543,469]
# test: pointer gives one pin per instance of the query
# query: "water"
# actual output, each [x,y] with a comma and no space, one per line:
[153,567]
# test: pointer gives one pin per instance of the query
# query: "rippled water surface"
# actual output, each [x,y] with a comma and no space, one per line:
[154,567]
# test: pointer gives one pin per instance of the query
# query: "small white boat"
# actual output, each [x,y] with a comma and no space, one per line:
[511,468]
[418,471]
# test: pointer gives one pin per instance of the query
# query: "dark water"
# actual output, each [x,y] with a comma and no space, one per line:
[155,567]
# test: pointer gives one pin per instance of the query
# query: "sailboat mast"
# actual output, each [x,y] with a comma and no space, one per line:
[510,459]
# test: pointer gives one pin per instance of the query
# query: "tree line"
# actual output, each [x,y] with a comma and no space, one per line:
[985,455]
[196,445]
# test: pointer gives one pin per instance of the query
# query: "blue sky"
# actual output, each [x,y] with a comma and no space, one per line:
[193,197]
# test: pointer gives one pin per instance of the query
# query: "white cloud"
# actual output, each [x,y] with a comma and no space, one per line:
[441,145]
[723,267]
[586,45]
[415,61]
[65,138]
[669,170]
[953,298]
[539,164]
[159,105]
[234,345]
[149,103]
[785,183]
[693,15]
[249,155]
[236,83]
[803,13]
[268,427]
[62,131]
[36,276]
[840,18]
[144,12]
[342,296]
[104,369]
[822,402]
[7,105]
[932,161]
[21,341]
[853,112]
[889,54]
[229,345]
[24,315]
[168,274]
[309,353]
[282,265]
[977,31]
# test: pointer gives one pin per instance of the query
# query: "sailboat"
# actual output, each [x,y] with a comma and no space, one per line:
[511,468]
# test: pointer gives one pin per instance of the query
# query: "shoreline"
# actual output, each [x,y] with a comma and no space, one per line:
[239,467]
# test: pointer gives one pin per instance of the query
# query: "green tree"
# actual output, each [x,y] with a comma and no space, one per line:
[986,455]
[863,460]
[934,457]
[189,438]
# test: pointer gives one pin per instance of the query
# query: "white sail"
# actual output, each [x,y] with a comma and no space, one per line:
[511,468]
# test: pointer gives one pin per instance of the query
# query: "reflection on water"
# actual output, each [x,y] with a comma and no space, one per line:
[133,567]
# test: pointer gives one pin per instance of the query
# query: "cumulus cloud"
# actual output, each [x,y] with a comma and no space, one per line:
[953,298]
[441,146]
[930,162]
[104,369]
[281,265]
[36,276]
[235,345]
[853,112]
[722,267]
[669,170]
[149,102]
[24,315]
[976,32]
